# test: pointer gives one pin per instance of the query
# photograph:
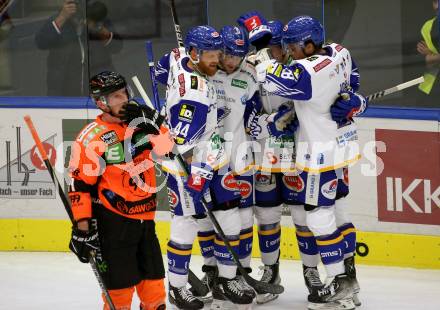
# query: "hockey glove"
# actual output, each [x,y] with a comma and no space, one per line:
[281,122]
[256,26]
[199,179]
[145,118]
[83,242]
[348,105]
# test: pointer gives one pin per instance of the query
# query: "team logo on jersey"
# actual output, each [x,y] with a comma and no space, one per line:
[245,188]
[194,82]
[109,137]
[239,42]
[239,83]
[265,182]
[339,47]
[294,182]
[173,199]
[312,58]
[322,65]
[329,189]
[186,112]
[229,182]
[181,79]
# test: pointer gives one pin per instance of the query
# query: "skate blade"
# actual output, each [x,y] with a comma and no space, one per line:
[265,298]
[356,300]
[343,304]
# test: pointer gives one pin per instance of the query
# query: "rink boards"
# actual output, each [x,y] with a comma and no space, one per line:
[396,211]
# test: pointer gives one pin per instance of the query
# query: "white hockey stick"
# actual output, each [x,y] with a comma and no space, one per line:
[395,89]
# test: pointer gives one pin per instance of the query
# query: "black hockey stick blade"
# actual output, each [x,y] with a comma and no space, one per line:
[197,284]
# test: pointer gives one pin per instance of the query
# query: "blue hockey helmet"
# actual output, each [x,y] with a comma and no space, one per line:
[276,28]
[203,38]
[235,41]
[302,29]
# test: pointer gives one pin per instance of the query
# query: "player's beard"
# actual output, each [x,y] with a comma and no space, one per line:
[208,69]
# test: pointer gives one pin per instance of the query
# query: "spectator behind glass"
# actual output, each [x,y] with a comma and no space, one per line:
[429,47]
[69,63]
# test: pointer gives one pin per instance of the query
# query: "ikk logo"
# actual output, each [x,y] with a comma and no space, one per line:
[26,176]
[408,189]
[329,189]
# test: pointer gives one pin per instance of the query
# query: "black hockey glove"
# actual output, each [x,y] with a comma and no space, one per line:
[147,119]
[82,242]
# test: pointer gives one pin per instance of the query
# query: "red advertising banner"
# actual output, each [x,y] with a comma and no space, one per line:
[408,189]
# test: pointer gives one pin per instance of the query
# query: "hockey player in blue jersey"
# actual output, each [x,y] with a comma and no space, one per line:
[322,83]
[192,116]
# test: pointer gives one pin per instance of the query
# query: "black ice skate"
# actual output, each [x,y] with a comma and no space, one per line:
[311,278]
[228,295]
[270,275]
[350,269]
[337,295]
[243,284]
[182,298]
[208,281]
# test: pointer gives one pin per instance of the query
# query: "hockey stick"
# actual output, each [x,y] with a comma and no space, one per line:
[177,28]
[395,89]
[66,203]
[150,59]
[261,287]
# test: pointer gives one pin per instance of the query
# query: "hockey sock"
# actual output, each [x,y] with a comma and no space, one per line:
[121,298]
[307,246]
[269,240]
[348,232]
[245,247]
[331,248]
[206,242]
[151,293]
[179,256]
[225,263]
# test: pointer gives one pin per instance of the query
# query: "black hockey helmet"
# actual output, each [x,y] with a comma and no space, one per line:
[106,83]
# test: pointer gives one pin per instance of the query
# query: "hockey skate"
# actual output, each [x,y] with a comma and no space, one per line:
[208,281]
[182,298]
[311,278]
[337,295]
[243,284]
[229,295]
[350,269]
[270,275]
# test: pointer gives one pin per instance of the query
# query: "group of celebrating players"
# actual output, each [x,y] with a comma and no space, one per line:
[257,130]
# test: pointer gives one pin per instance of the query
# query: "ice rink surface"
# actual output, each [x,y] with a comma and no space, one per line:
[40,281]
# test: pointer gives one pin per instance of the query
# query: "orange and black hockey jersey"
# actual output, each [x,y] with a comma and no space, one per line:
[112,162]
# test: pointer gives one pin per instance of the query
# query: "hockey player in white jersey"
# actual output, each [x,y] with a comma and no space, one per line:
[192,117]
[320,76]
[274,156]
[237,95]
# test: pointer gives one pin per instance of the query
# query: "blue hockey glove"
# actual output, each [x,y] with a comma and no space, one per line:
[348,105]
[199,179]
[281,122]
[256,26]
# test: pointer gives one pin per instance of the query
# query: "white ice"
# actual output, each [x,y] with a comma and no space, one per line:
[40,281]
